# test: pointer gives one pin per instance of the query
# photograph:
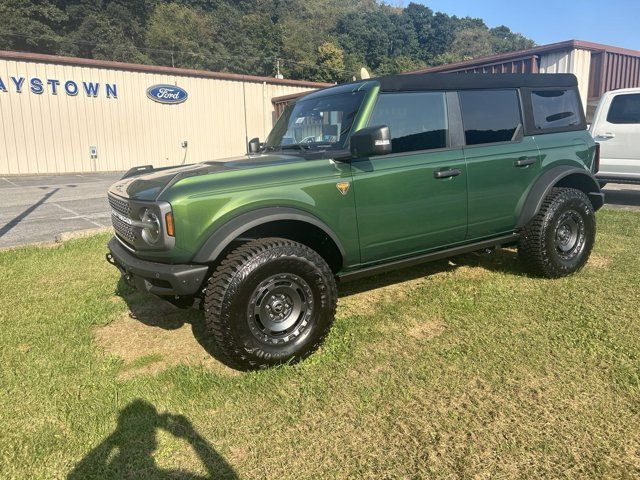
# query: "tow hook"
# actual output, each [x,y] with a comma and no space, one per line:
[123,272]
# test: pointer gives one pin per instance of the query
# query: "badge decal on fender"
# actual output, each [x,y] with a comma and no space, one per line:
[343,187]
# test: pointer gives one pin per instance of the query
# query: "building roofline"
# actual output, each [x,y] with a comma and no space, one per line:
[521,54]
[136,67]
[286,98]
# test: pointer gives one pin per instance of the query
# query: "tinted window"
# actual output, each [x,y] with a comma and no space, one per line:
[625,109]
[555,108]
[417,121]
[489,115]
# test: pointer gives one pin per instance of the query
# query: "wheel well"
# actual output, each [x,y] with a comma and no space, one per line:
[583,183]
[298,231]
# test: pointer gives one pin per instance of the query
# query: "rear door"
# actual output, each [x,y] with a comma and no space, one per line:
[415,198]
[501,163]
[617,129]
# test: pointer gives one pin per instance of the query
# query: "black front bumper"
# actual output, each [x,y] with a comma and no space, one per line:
[158,278]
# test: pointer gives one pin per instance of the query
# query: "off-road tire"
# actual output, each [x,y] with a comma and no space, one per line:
[230,290]
[541,242]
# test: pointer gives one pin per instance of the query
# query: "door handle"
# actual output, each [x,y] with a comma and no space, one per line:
[452,172]
[525,161]
[606,136]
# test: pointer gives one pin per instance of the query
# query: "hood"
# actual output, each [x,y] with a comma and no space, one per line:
[149,184]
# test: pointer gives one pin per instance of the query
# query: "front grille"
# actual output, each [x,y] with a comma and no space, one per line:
[124,230]
[120,206]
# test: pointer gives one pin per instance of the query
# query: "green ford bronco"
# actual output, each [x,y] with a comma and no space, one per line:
[356,180]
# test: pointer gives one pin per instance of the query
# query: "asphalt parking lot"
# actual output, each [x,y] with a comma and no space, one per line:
[37,208]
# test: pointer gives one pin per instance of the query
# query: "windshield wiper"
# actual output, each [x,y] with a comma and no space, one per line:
[298,146]
[292,146]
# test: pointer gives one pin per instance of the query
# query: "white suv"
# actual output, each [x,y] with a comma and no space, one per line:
[616,126]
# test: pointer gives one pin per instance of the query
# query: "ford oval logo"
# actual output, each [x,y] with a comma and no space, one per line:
[167,94]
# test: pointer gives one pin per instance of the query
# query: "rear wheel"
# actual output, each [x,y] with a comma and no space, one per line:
[271,301]
[559,239]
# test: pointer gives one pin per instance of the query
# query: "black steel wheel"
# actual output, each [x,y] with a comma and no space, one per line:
[280,308]
[570,235]
[271,301]
[559,239]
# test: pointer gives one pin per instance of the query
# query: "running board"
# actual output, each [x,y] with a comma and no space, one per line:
[427,257]
[620,181]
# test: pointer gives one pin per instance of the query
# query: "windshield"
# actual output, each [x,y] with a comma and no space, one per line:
[318,123]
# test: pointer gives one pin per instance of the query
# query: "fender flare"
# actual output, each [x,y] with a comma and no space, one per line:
[548,180]
[235,227]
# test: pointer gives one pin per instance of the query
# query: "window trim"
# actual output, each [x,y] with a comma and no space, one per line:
[521,111]
[613,99]
[428,150]
[530,124]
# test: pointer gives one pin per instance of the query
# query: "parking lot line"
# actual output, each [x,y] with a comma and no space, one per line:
[9,181]
[77,215]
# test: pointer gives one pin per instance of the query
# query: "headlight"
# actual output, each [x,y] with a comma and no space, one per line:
[151,231]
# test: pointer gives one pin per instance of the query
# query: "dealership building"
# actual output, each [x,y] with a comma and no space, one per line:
[63,114]
[599,68]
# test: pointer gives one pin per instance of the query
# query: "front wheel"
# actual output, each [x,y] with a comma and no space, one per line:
[559,239]
[271,301]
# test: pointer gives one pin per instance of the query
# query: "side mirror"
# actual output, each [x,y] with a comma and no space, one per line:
[371,141]
[254,146]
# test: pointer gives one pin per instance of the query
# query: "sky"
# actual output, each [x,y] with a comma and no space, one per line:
[612,22]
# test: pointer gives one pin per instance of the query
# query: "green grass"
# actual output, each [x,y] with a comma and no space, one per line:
[466,368]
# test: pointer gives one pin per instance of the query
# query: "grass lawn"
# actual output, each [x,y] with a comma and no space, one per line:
[462,368]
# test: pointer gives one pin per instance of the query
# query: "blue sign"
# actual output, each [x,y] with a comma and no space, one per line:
[167,94]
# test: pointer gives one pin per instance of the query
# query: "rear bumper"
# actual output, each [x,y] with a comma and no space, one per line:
[161,279]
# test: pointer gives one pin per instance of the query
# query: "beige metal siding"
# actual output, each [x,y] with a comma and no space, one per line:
[576,61]
[52,133]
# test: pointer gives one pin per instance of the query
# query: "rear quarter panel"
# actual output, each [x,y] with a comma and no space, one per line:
[566,148]
[575,149]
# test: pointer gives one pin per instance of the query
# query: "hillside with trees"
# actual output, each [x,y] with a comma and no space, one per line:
[324,40]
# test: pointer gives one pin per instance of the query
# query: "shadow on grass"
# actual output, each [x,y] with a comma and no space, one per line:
[504,261]
[127,452]
[626,197]
[155,312]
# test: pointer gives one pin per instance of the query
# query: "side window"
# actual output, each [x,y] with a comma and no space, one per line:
[555,108]
[416,121]
[625,109]
[490,116]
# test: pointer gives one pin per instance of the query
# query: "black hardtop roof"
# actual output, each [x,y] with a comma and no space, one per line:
[453,81]
[463,81]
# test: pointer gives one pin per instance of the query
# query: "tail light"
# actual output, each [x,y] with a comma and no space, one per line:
[596,159]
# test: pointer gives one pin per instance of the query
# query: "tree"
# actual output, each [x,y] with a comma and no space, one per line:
[314,39]
[504,40]
[471,43]
[31,25]
[330,63]
[184,37]
[400,64]
[441,36]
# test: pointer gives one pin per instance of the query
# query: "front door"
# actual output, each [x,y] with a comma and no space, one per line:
[501,163]
[414,199]
[618,134]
